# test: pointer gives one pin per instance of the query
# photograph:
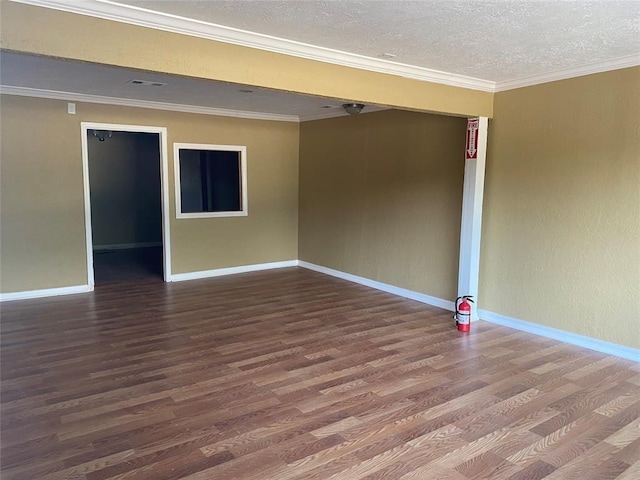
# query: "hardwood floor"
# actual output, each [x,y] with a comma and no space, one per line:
[289,374]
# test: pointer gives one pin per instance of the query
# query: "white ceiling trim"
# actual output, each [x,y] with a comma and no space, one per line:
[614,64]
[127,102]
[331,113]
[337,112]
[108,10]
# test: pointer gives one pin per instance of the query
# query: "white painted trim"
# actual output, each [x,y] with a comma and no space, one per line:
[185,26]
[328,113]
[164,181]
[171,23]
[548,332]
[130,102]
[605,66]
[385,287]
[46,292]
[212,214]
[86,192]
[166,207]
[243,171]
[219,272]
[339,112]
[562,336]
[471,223]
[536,329]
[125,246]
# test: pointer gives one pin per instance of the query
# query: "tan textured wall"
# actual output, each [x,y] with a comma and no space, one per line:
[30,29]
[42,242]
[381,197]
[42,216]
[561,231]
[124,173]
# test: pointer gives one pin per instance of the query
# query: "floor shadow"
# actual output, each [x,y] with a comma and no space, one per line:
[131,265]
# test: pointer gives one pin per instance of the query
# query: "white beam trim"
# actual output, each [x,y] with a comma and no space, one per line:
[470,229]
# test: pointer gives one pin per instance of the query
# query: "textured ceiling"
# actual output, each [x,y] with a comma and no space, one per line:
[496,40]
[499,41]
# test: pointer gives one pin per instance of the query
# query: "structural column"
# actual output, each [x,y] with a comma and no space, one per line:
[473,191]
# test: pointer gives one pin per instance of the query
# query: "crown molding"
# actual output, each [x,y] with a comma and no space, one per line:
[142,17]
[338,112]
[128,102]
[329,113]
[110,10]
[605,66]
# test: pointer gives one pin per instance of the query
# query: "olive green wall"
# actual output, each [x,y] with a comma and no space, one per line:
[42,208]
[124,174]
[561,226]
[381,197]
[42,239]
[561,216]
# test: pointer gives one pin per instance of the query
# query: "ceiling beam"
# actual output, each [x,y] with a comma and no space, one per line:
[37,30]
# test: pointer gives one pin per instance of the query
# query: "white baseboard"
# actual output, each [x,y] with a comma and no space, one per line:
[125,246]
[609,348]
[46,292]
[219,272]
[536,329]
[385,287]
[563,336]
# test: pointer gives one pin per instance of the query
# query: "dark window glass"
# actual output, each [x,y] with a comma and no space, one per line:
[210,181]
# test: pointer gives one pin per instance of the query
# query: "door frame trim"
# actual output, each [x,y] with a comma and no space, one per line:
[164,182]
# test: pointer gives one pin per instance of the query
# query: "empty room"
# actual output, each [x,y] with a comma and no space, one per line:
[279,240]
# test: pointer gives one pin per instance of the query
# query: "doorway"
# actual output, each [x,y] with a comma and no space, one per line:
[126,203]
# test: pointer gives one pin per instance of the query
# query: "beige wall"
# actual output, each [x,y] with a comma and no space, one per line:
[124,173]
[42,216]
[561,232]
[562,204]
[42,242]
[29,29]
[381,197]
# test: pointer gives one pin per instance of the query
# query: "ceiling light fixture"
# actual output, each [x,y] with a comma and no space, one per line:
[353,108]
[102,134]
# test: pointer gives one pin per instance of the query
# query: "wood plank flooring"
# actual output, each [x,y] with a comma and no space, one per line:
[289,374]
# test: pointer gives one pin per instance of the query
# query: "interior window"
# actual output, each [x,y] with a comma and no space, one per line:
[210,180]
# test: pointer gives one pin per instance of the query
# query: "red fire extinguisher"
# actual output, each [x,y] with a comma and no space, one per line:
[463,313]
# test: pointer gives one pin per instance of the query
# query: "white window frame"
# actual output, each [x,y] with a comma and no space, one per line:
[243,181]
